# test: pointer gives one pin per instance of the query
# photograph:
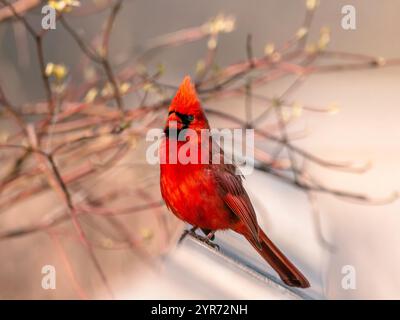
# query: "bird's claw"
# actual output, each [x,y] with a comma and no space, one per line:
[212,245]
[183,236]
[191,231]
[206,240]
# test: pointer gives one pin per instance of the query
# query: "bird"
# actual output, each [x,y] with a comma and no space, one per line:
[209,195]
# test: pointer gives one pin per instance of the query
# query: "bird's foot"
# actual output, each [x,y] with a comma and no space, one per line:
[208,240]
[191,231]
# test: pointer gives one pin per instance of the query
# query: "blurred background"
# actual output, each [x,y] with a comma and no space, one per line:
[137,247]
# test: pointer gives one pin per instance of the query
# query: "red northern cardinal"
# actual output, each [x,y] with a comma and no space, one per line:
[211,196]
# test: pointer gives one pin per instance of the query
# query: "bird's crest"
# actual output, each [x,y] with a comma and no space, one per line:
[186,99]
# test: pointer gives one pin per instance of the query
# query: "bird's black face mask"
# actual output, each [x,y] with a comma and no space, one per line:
[182,123]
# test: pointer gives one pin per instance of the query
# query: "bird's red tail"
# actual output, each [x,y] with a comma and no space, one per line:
[289,274]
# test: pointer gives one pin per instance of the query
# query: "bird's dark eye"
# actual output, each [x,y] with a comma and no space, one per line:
[186,118]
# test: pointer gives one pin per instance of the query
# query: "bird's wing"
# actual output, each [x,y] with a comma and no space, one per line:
[235,196]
